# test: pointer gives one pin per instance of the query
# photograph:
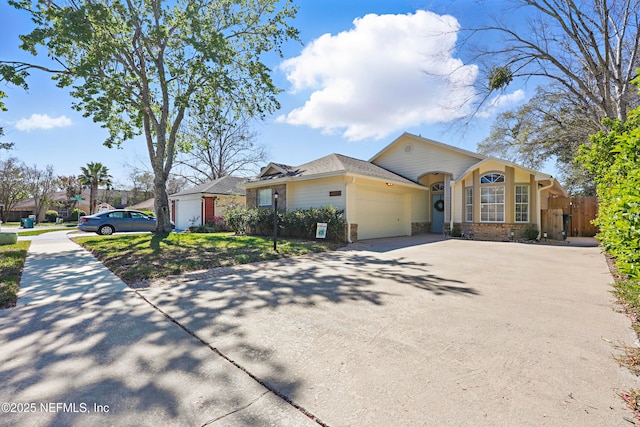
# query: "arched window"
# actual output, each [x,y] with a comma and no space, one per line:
[492,178]
[492,197]
[438,187]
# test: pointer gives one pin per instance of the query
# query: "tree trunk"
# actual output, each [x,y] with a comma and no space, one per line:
[161,204]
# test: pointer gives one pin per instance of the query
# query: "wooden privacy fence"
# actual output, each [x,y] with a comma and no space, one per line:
[578,212]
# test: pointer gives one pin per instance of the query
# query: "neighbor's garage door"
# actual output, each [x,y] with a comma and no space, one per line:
[380,215]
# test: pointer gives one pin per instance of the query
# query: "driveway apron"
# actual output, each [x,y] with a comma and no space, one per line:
[81,348]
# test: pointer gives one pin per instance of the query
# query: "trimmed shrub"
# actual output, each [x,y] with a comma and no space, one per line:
[531,233]
[297,224]
[50,216]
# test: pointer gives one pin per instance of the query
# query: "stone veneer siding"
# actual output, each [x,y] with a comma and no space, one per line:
[252,196]
[420,228]
[494,231]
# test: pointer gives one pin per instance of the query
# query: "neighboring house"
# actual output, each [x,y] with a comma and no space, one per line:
[58,199]
[414,185]
[200,204]
[147,205]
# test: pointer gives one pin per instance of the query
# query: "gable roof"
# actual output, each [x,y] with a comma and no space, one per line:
[56,196]
[227,185]
[429,142]
[331,165]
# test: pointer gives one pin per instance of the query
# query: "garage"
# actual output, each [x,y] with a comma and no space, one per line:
[381,215]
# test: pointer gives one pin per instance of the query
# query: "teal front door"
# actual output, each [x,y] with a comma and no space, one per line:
[437,213]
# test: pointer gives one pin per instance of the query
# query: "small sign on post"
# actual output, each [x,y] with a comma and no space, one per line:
[321,231]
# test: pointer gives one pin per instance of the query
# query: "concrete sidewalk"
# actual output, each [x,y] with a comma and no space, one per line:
[81,348]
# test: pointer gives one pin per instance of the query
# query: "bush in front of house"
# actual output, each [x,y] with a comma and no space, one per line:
[237,219]
[303,223]
[50,216]
[531,233]
[217,225]
[297,224]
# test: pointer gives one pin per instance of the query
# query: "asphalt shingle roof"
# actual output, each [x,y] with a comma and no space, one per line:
[225,185]
[334,163]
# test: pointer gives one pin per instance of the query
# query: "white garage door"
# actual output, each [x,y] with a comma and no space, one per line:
[380,215]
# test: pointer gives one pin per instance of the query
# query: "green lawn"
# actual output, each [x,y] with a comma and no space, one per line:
[142,256]
[11,263]
[39,231]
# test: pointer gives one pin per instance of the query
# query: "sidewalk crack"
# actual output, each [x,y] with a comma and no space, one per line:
[236,410]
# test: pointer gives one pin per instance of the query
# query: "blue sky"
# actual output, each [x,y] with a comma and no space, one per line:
[368,70]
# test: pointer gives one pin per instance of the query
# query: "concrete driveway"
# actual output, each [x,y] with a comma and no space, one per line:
[412,332]
[405,332]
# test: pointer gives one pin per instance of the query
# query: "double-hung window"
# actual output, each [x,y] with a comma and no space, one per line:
[468,204]
[522,203]
[492,198]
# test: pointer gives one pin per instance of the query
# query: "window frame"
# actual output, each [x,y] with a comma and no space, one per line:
[261,192]
[468,204]
[517,203]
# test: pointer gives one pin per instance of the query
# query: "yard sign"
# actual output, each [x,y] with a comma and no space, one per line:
[321,231]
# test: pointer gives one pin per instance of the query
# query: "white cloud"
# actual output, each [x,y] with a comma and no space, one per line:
[387,73]
[501,102]
[42,121]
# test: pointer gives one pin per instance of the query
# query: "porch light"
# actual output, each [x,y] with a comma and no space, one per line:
[389,184]
[275,220]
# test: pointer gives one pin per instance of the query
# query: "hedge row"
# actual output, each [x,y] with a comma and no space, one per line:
[614,159]
[298,224]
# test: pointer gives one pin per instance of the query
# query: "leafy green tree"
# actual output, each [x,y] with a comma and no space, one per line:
[93,176]
[71,187]
[614,159]
[141,66]
[13,188]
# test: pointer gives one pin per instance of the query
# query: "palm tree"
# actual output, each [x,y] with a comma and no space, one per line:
[93,175]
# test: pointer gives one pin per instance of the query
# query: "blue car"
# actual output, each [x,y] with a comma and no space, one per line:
[109,222]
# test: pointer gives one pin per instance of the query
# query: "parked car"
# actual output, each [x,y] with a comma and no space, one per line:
[113,221]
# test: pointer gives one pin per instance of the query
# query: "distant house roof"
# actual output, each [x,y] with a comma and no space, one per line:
[58,196]
[227,185]
[333,164]
[147,205]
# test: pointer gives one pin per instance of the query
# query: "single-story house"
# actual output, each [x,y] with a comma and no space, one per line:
[146,205]
[200,204]
[58,199]
[414,185]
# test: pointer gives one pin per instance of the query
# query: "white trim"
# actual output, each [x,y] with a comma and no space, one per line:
[515,203]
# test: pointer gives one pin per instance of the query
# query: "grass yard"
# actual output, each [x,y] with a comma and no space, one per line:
[39,231]
[11,262]
[137,257]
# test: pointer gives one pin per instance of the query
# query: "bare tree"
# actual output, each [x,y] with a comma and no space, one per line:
[590,49]
[218,144]
[40,184]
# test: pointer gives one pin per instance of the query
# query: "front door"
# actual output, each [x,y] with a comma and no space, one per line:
[437,213]
[209,210]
